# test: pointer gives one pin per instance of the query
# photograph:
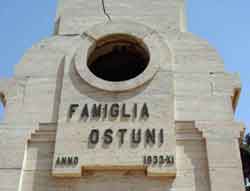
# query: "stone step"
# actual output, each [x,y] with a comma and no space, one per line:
[46,128]
[42,138]
[44,132]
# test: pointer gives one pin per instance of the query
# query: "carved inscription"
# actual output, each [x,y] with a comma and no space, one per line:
[114,111]
[137,136]
[109,111]
[67,161]
[160,160]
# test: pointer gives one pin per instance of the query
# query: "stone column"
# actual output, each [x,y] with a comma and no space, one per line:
[223,154]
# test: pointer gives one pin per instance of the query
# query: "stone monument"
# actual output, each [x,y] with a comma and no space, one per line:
[121,97]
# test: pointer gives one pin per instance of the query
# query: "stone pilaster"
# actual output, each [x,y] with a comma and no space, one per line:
[223,154]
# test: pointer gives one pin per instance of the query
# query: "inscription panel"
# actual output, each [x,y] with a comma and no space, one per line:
[116,136]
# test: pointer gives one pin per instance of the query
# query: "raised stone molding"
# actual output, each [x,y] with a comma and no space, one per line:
[220,130]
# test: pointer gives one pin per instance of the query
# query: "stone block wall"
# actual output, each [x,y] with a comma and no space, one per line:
[204,100]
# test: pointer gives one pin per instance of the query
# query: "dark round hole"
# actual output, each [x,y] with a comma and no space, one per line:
[118,58]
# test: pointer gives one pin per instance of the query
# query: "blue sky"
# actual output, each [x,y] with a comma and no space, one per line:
[225,24]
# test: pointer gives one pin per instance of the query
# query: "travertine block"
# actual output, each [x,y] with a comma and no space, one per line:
[12,146]
[194,55]
[189,108]
[71,17]
[9,179]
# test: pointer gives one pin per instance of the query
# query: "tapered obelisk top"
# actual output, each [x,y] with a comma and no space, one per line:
[75,16]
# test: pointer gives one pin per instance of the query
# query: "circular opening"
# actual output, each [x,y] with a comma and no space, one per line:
[118,58]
